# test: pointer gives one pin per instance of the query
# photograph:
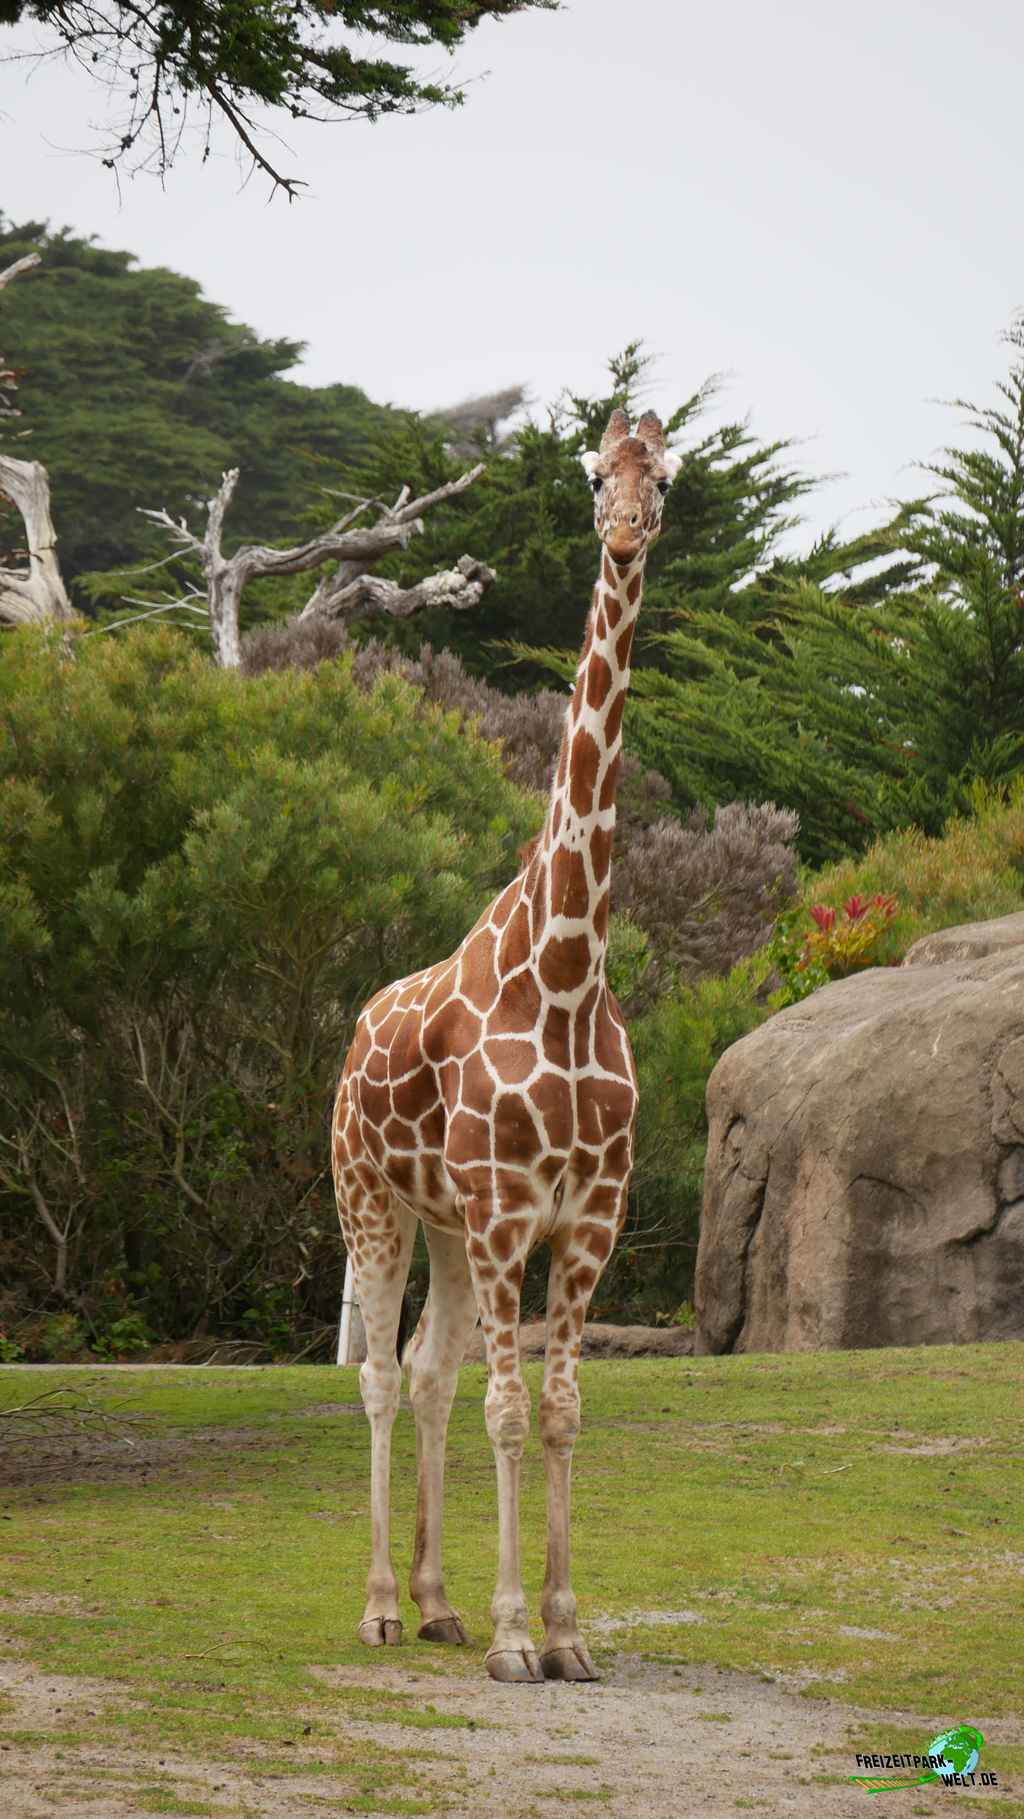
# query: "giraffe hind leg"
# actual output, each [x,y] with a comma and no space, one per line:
[379,1232]
[433,1357]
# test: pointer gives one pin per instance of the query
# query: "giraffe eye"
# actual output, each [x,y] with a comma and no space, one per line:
[663,486]
[597,483]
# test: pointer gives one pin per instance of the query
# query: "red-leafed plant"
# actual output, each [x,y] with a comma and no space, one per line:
[840,943]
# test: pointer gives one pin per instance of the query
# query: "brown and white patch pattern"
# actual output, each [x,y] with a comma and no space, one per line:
[492,1097]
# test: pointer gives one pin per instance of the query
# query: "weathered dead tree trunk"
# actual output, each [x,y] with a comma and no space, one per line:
[34,595]
[350,592]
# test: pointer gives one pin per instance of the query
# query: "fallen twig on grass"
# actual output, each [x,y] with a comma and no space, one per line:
[65,1411]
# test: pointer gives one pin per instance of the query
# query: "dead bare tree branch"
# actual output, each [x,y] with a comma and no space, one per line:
[19,266]
[457,588]
[64,1411]
[19,1155]
[350,591]
[353,566]
[34,595]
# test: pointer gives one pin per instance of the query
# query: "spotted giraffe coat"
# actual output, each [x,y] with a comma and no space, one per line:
[501,1079]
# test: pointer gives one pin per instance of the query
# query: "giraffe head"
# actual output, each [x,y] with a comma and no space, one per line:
[630,475]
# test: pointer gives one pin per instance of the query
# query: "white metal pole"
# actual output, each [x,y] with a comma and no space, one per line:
[345,1323]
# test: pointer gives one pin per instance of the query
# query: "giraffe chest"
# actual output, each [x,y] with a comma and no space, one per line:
[525,1096]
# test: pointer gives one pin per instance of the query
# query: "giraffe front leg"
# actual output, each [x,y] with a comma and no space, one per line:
[497,1248]
[576,1264]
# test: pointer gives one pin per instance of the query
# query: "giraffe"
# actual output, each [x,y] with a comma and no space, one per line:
[491,1097]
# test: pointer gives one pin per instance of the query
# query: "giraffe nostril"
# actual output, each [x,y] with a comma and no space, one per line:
[634,521]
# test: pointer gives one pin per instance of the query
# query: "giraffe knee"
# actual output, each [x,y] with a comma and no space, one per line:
[379,1387]
[559,1420]
[431,1391]
[507,1413]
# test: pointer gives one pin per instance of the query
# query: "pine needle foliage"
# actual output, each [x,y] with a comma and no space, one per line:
[531,513]
[866,704]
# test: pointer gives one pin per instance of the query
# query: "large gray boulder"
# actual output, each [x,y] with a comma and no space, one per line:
[865,1172]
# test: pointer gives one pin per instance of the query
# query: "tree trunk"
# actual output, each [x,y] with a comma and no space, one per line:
[32,596]
[225,594]
[60,1238]
[36,595]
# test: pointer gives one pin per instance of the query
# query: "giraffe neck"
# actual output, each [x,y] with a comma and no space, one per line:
[569,878]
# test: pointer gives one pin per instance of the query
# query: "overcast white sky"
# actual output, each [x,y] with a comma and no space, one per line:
[822,200]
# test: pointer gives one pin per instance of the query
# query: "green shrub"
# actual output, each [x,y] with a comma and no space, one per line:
[58,1339]
[123,1338]
[974,870]
[676,1046]
[204,876]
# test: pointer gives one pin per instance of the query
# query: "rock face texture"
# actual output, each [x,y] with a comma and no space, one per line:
[865,1173]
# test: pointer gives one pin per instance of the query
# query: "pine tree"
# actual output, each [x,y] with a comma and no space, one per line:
[868,705]
[531,514]
[717,705]
[963,637]
[137,391]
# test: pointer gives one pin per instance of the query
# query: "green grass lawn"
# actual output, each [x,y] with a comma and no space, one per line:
[853,1519]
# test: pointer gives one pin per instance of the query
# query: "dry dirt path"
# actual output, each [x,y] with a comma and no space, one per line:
[649,1740]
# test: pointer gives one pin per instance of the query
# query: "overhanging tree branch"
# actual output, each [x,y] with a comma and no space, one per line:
[298,57]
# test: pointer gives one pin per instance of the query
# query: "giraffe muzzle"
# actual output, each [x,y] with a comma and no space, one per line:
[623,544]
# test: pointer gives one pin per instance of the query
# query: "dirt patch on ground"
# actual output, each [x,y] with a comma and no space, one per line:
[43,1460]
[650,1739]
[600,1341]
[934,1449]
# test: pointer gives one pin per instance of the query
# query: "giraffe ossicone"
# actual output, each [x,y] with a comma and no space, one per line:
[492,1098]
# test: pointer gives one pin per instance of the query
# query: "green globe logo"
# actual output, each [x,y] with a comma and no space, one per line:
[953,1753]
[957,1749]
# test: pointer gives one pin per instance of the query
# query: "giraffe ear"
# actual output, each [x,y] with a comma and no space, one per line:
[672,462]
[588,461]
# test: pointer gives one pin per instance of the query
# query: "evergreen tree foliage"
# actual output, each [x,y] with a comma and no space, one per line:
[873,705]
[137,391]
[738,707]
[717,597]
[532,514]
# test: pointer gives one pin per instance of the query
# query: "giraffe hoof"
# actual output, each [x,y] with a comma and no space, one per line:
[569,1664]
[380,1632]
[514,1664]
[443,1629]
